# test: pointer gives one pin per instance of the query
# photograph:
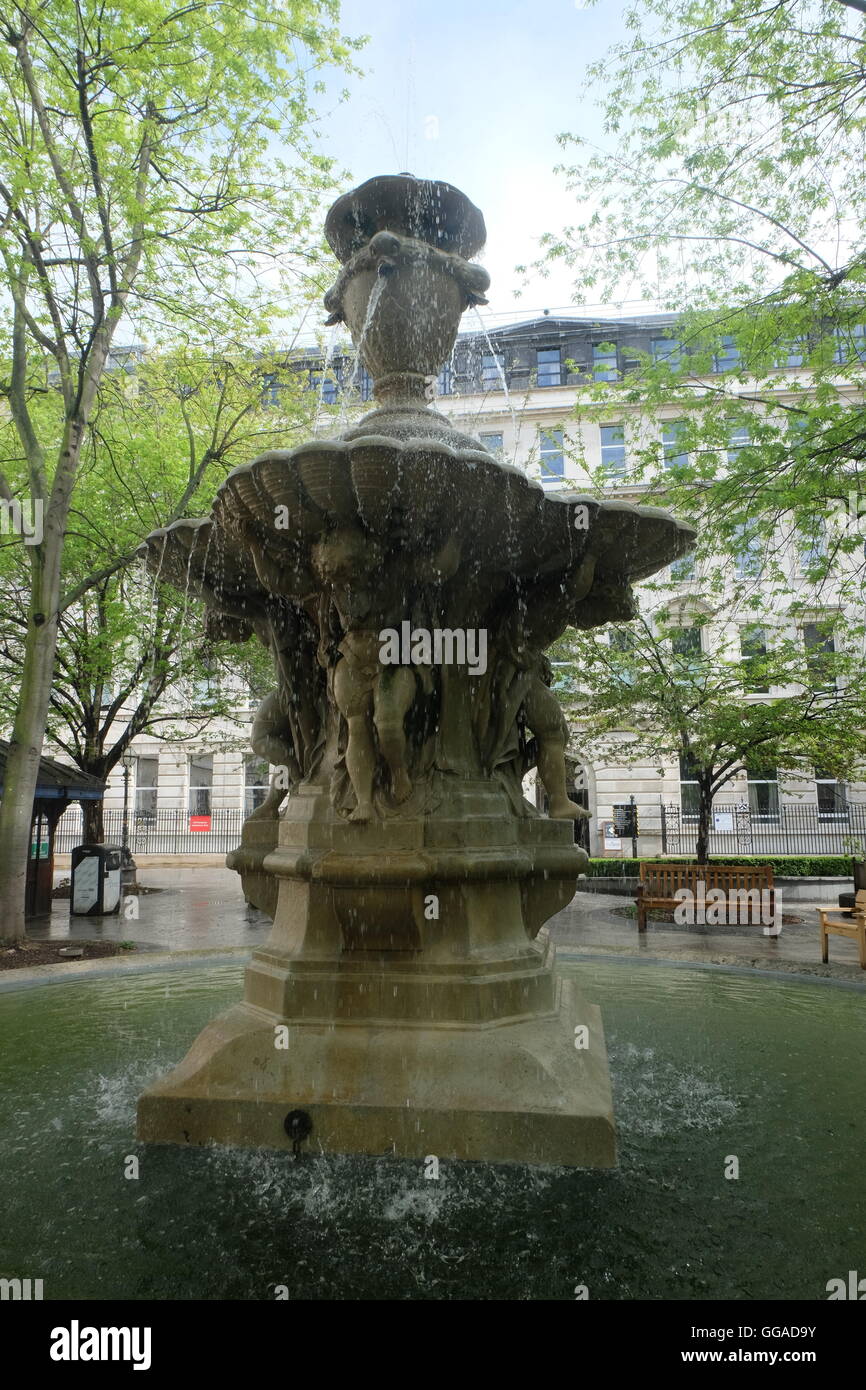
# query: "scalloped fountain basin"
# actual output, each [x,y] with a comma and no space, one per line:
[285,501]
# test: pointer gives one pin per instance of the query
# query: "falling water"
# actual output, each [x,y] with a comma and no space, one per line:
[500,369]
[326,363]
[353,385]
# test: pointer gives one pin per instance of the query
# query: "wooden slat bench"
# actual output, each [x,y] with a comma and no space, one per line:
[748,887]
[836,922]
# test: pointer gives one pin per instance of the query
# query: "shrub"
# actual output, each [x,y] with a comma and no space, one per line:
[784,865]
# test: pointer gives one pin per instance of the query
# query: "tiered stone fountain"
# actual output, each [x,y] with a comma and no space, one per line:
[404,1003]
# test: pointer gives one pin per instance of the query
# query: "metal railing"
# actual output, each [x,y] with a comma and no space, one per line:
[165,831]
[792,829]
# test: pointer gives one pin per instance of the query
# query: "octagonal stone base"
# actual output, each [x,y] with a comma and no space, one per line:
[518,1092]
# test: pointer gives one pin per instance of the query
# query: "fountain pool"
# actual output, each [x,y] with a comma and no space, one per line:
[705,1064]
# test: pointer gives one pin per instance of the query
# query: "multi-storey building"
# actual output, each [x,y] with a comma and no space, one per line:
[516,388]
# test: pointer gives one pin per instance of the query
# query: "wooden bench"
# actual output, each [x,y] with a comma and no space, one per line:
[840,922]
[748,887]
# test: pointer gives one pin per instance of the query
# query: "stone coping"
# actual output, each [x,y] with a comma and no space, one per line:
[838,973]
[130,962]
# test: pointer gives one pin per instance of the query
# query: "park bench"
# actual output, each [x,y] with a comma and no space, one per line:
[838,922]
[748,889]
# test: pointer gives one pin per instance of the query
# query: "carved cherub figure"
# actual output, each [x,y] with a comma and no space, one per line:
[371,697]
[524,675]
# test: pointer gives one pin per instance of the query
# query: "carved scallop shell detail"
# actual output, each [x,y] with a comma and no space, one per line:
[403,491]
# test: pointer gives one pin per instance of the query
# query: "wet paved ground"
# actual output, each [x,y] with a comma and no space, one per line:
[596,924]
[202,908]
[193,909]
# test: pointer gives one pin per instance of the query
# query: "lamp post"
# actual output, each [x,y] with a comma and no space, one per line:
[127,862]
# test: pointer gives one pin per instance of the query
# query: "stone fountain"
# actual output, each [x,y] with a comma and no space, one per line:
[407,584]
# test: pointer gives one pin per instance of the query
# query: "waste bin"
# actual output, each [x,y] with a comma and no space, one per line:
[96,883]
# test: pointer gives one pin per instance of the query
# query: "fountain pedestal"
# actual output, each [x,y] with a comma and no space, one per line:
[401,1001]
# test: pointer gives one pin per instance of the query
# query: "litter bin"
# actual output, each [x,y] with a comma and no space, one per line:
[96,871]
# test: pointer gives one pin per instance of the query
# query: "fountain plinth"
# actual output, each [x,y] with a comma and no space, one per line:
[407,584]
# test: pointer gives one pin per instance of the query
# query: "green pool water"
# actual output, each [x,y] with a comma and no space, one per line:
[706,1065]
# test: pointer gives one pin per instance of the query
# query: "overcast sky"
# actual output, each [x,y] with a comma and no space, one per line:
[475,94]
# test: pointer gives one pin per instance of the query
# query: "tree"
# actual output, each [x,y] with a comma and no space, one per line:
[727,186]
[142,185]
[730,190]
[653,690]
[165,426]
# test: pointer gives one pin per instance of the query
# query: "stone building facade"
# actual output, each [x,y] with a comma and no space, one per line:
[516,388]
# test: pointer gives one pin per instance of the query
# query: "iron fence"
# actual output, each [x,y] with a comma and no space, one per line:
[736,830]
[792,829]
[166,831]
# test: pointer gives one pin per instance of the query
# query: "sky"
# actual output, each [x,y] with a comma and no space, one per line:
[475,94]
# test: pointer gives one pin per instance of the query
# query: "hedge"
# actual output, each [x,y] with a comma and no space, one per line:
[784,865]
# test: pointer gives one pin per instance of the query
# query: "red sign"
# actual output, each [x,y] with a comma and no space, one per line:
[199,823]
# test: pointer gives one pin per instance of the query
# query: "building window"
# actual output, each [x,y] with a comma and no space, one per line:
[763,793]
[200,784]
[794,355]
[728,357]
[753,650]
[738,438]
[622,643]
[365,384]
[667,350]
[257,781]
[686,642]
[683,568]
[549,364]
[205,687]
[604,364]
[146,779]
[493,442]
[749,552]
[850,344]
[672,435]
[820,648]
[445,381]
[324,385]
[812,547]
[832,797]
[270,389]
[613,460]
[690,792]
[492,370]
[551,454]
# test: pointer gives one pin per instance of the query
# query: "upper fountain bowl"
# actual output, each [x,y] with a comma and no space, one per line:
[425,209]
[405,279]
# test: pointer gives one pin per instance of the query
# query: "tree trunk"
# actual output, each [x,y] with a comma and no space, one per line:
[22,770]
[94,828]
[705,810]
[31,714]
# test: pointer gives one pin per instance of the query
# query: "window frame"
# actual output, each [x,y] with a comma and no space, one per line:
[754,780]
[546,472]
[620,445]
[544,370]
[198,787]
[601,368]
[680,458]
